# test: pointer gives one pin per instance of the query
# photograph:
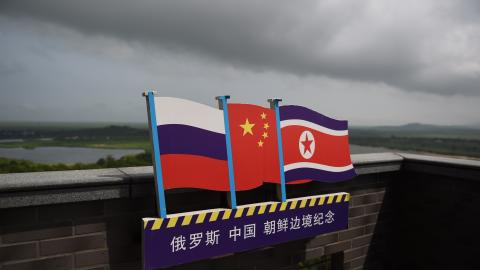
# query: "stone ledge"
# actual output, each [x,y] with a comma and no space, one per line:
[376,163]
[61,179]
[375,158]
[41,188]
[442,161]
[467,169]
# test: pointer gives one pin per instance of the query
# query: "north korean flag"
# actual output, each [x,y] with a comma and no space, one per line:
[315,146]
[253,134]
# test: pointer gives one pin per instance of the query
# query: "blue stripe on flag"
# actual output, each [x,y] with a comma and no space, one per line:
[291,112]
[183,139]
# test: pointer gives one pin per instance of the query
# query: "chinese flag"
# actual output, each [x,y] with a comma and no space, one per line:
[253,134]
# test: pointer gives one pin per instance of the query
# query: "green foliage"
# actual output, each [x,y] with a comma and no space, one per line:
[446,140]
[321,263]
[457,147]
[17,165]
[142,159]
[132,143]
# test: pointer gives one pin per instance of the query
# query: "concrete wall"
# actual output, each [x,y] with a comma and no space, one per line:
[92,219]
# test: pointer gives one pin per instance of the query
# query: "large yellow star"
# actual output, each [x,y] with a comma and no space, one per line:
[247,127]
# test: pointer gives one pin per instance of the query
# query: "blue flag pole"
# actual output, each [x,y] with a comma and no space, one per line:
[222,102]
[157,164]
[274,105]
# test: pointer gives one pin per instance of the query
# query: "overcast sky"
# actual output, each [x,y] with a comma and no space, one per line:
[370,62]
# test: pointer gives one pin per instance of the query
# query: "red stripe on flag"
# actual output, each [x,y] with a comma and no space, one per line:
[299,182]
[190,171]
[329,150]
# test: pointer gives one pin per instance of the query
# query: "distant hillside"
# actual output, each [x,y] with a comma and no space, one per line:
[417,130]
[65,125]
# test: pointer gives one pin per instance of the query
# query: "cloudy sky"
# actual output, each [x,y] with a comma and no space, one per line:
[373,62]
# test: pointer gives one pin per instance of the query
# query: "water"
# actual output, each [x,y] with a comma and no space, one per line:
[90,155]
[10,140]
[67,155]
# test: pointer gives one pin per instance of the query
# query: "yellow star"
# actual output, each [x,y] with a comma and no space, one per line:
[263,115]
[265,135]
[260,143]
[247,127]
[266,126]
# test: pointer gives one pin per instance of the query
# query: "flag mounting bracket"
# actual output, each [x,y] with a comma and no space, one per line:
[272,101]
[220,100]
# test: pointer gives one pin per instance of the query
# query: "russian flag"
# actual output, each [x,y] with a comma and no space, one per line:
[315,147]
[192,144]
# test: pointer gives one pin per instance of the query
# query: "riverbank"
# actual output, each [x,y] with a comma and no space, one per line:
[67,155]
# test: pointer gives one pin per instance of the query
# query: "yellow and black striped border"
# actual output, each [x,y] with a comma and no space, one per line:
[185,219]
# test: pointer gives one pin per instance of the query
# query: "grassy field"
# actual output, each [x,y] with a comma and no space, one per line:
[84,135]
[453,147]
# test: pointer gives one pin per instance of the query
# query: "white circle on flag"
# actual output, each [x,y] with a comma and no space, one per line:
[306,144]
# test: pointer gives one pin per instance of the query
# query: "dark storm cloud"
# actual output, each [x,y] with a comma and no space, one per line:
[413,45]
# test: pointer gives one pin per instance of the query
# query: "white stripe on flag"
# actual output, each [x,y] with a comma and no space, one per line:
[322,129]
[317,166]
[185,112]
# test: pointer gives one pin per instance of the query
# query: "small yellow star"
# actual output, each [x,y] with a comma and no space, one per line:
[263,115]
[247,127]
[260,143]
[266,126]
[265,135]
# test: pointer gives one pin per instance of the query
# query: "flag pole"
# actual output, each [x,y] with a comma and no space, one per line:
[222,103]
[157,165]
[274,106]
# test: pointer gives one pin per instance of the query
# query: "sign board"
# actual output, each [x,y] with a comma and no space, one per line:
[239,147]
[187,237]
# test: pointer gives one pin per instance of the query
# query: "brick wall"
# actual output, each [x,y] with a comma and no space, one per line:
[398,219]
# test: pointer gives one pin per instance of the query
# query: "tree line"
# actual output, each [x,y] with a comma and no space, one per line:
[8,165]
